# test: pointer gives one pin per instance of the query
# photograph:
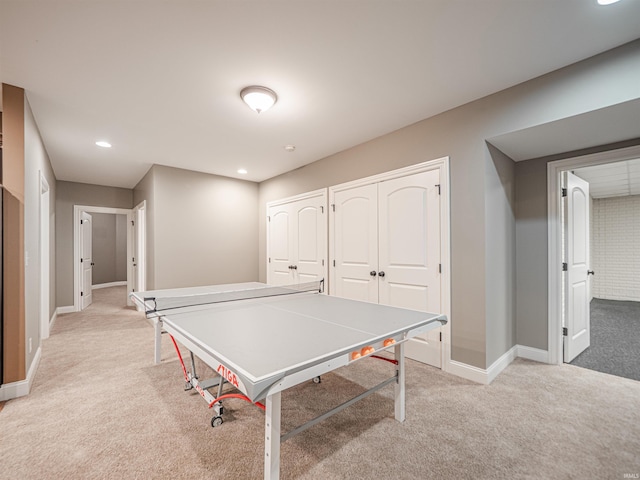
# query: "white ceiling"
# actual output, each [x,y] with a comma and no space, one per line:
[161,80]
[612,179]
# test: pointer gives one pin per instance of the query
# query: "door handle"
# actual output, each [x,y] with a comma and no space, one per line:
[590,272]
[381,274]
[295,267]
[373,273]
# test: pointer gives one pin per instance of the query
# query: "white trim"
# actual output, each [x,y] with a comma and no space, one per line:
[485,377]
[554,204]
[45,251]
[21,388]
[468,372]
[530,353]
[77,273]
[139,232]
[501,363]
[67,309]
[54,317]
[107,285]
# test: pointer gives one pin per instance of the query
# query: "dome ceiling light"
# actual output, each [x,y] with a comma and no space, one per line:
[260,99]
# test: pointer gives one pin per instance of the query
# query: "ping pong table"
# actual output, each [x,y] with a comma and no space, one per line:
[264,339]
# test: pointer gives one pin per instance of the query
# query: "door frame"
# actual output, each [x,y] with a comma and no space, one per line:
[77,266]
[554,239]
[45,251]
[139,213]
[445,235]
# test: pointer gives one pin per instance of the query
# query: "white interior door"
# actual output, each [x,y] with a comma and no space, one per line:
[310,239]
[86,259]
[409,253]
[577,315]
[280,240]
[355,243]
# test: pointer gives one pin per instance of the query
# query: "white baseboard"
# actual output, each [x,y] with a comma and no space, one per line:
[67,309]
[52,321]
[21,388]
[485,377]
[534,354]
[110,284]
[468,372]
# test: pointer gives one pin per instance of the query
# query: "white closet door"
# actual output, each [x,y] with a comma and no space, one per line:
[280,254]
[356,244]
[310,242]
[409,253]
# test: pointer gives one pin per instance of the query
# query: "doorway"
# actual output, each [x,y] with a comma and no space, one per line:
[555,172]
[134,275]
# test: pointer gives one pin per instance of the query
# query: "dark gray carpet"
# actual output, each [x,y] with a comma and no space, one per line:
[615,339]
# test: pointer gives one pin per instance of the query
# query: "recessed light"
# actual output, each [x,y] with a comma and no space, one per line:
[103,144]
[289,148]
[242,171]
[607,2]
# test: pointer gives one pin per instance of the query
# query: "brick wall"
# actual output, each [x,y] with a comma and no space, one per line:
[615,248]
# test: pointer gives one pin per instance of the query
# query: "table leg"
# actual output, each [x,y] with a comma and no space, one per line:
[400,385]
[272,437]
[157,352]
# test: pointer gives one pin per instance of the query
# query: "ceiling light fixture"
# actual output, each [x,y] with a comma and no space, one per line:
[242,171]
[103,144]
[607,2]
[259,99]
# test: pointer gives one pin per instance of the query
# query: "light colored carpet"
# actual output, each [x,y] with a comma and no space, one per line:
[100,409]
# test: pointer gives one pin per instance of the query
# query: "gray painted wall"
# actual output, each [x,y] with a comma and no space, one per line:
[36,161]
[69,194]
[487,237]
[109,248]
[145,191]
[204,228]
[500,214]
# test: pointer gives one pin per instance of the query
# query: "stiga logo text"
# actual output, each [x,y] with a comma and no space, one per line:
[229,376]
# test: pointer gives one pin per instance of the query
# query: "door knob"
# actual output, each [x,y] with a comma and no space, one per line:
[373,273]
[381,274]
[295,267]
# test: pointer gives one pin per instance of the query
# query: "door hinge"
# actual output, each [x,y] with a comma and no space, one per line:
[565,267]
[81,222]
[82,294]
[333,207]
[133,223]
[439,268]
[268,218]
[440,336]
[438,185]
[564,192]
[334,263]
[323,262]
[321,209]
[565,332]
[81,260]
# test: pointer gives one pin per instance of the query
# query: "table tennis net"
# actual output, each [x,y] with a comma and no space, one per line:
[156,305]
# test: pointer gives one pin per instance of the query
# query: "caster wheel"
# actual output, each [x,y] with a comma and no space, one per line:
[216,421]
[317,380]
[187,386]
